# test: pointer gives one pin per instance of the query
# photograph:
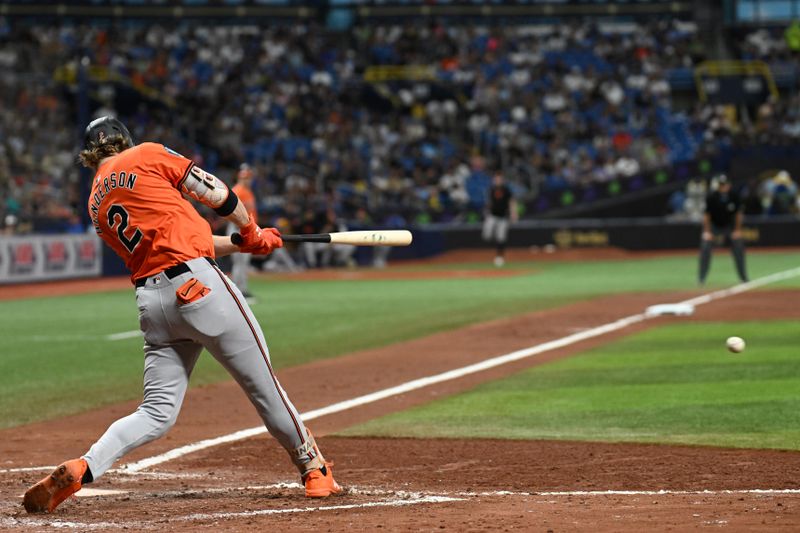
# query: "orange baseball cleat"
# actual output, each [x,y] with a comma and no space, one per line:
[47,494]
[320,483]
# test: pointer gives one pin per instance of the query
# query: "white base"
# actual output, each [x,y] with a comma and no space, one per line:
[670,309]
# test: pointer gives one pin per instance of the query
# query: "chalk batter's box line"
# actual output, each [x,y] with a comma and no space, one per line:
[405,499]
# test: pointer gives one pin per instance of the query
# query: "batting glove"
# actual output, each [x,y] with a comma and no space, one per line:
[254,240]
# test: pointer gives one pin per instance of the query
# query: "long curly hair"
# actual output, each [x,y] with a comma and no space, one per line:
[97,151]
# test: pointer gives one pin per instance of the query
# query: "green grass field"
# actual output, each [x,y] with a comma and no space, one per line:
[55,358]
[675,384]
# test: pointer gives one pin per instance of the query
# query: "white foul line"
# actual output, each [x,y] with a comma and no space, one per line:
[124,335]
[392,391]
[262,512]
[664,492]
[400,498]
[742,287]
[368,491]
[457,373]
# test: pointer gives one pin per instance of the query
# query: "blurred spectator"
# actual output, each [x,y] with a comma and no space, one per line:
[781,194]
[553,105]
[753,203]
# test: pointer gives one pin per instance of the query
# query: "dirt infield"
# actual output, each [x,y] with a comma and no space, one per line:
[456,485]
[418,484]
[402,484]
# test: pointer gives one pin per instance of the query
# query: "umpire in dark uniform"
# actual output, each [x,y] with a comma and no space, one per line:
[723,217]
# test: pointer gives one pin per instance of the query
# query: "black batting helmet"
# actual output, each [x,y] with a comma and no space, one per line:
[102,128]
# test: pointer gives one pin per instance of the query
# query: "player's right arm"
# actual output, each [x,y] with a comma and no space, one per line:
[211,191]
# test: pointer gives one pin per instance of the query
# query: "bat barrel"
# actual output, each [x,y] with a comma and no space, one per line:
[398,237]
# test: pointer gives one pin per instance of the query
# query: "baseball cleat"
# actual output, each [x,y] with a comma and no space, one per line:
[320,483]
[47,494]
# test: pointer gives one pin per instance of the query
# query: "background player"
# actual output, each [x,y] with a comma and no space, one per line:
[185,303]
[723,217]
[501,208]
[240,263]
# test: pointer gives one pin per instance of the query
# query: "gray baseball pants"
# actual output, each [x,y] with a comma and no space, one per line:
[495,229]
[240,270]
[240,264]
[174,336]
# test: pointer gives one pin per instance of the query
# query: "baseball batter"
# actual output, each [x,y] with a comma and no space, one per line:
[186,303]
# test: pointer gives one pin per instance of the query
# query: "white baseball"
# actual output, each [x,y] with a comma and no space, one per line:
[735,344]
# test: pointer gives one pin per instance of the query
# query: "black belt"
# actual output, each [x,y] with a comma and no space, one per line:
[175,271]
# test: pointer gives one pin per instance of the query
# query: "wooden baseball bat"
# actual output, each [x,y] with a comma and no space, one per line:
[394,237]
[389,237]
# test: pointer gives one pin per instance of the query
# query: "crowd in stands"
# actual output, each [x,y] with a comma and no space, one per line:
[327,129]
[773,45]
[773,194]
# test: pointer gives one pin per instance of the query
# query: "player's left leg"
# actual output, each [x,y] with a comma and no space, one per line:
[737,250]
[488,229]
[706,249]
[501,236]
[166,376]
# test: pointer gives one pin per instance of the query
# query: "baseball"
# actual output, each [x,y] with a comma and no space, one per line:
[735,344]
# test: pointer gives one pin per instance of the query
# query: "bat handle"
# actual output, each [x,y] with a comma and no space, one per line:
[308,237]
[236,238]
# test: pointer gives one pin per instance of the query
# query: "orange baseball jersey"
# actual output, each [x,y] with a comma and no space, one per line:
[246,196]
[139,212]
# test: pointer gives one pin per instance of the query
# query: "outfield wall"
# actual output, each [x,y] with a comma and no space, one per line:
[27,258]
[52,257]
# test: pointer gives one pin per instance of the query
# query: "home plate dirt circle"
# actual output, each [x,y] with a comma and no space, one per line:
[463,485]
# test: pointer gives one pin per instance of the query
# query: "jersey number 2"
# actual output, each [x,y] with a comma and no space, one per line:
[115,211]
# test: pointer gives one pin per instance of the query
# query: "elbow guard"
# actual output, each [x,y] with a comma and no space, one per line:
[209,190]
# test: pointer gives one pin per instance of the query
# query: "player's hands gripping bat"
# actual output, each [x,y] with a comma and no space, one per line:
[355,238]
[254,240]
